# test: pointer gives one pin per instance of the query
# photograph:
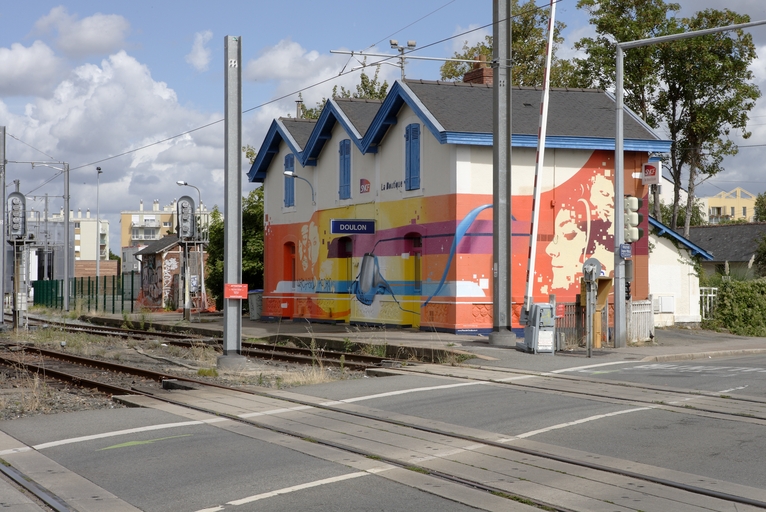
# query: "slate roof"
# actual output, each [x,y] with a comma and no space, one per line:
[661,229]
[158,246]
[461,107]
[300,129]
[459,113]
[729,242]
[360,112]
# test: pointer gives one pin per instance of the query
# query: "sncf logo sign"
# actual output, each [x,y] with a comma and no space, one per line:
[364,186]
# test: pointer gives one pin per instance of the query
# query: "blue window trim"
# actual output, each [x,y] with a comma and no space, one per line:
[344,168]
[412,157]
[289,182]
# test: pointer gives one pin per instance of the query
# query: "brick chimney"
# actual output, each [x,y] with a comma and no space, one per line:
[480,74]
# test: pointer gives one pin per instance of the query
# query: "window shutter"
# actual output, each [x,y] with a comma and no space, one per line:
[289,182]
[344,191]
[412,157]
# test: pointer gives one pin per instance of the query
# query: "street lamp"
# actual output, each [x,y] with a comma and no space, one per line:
[291,174]
[98,227]
[395,46]
[182,183]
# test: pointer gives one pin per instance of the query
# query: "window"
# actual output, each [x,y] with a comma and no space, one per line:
[412,157]
[744,211]
[732,212]
[344,169]
[289,181]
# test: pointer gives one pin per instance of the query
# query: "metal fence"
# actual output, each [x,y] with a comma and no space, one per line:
[111,294]
[570,326]
[641,326]
[708,297]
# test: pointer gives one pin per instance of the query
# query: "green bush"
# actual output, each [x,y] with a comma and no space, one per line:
[740,308]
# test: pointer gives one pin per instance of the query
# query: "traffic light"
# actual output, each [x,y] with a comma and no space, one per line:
[627,290]
[633,219]
[187,223]
[17,221]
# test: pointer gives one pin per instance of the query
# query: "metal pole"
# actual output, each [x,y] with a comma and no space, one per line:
[620,319]
[187,295]
[501,184]
[619,211]
[232,267]
[98,225]
[3,249]
[67,256]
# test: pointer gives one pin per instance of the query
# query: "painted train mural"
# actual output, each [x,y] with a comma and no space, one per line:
[396,251]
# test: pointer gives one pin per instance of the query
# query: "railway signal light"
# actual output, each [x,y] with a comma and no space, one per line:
[633,219]
[17,221]
[187,223]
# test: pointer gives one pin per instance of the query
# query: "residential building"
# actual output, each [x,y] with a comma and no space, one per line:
[141,227]
[394,226]
[738,204]
[674,283]
[731,245]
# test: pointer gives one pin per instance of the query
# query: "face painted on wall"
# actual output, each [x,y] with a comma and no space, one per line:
[602,198]
[566,249]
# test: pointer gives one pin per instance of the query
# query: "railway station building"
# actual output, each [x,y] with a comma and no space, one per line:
[379,212]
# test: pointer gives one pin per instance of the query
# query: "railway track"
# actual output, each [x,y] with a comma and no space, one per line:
[262,351]
[297,416]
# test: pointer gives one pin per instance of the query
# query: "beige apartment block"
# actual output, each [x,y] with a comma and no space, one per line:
[734,205]
[89,241]
[139,228]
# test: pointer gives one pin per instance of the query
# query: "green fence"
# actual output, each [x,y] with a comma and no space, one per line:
[110,294]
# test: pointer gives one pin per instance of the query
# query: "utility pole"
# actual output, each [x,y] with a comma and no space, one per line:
[501,184]
[4,224]
[232,258]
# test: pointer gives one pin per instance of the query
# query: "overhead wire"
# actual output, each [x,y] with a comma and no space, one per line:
[293,93]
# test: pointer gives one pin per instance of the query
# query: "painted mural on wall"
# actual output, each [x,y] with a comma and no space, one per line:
[415,270]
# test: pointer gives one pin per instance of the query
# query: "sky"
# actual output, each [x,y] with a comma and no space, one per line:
[137,88]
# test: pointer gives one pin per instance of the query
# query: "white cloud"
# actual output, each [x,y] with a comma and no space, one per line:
[472,38]
[108,109]
[95,35]
[199,57]
[28,70]
[292,68]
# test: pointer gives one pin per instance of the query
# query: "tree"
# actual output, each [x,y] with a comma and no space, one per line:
[252,242]
[705,97]
[529,38]
[760,208]
[699,88]
[760,257]
[666,213]
[619,21]
[367,88]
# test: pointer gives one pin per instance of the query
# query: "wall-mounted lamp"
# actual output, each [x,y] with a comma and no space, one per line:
[291,174]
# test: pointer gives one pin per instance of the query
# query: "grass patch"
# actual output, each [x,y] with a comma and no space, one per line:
[207,372]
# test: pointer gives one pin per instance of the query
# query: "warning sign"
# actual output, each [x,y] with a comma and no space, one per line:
[234,291]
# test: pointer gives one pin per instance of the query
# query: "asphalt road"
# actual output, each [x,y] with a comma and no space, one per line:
[166,463]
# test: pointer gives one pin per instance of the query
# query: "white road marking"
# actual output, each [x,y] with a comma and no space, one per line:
[403,392]
[126,431]
[581,368]
[733,389]
[300,487]
[275,411]
[576,422]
